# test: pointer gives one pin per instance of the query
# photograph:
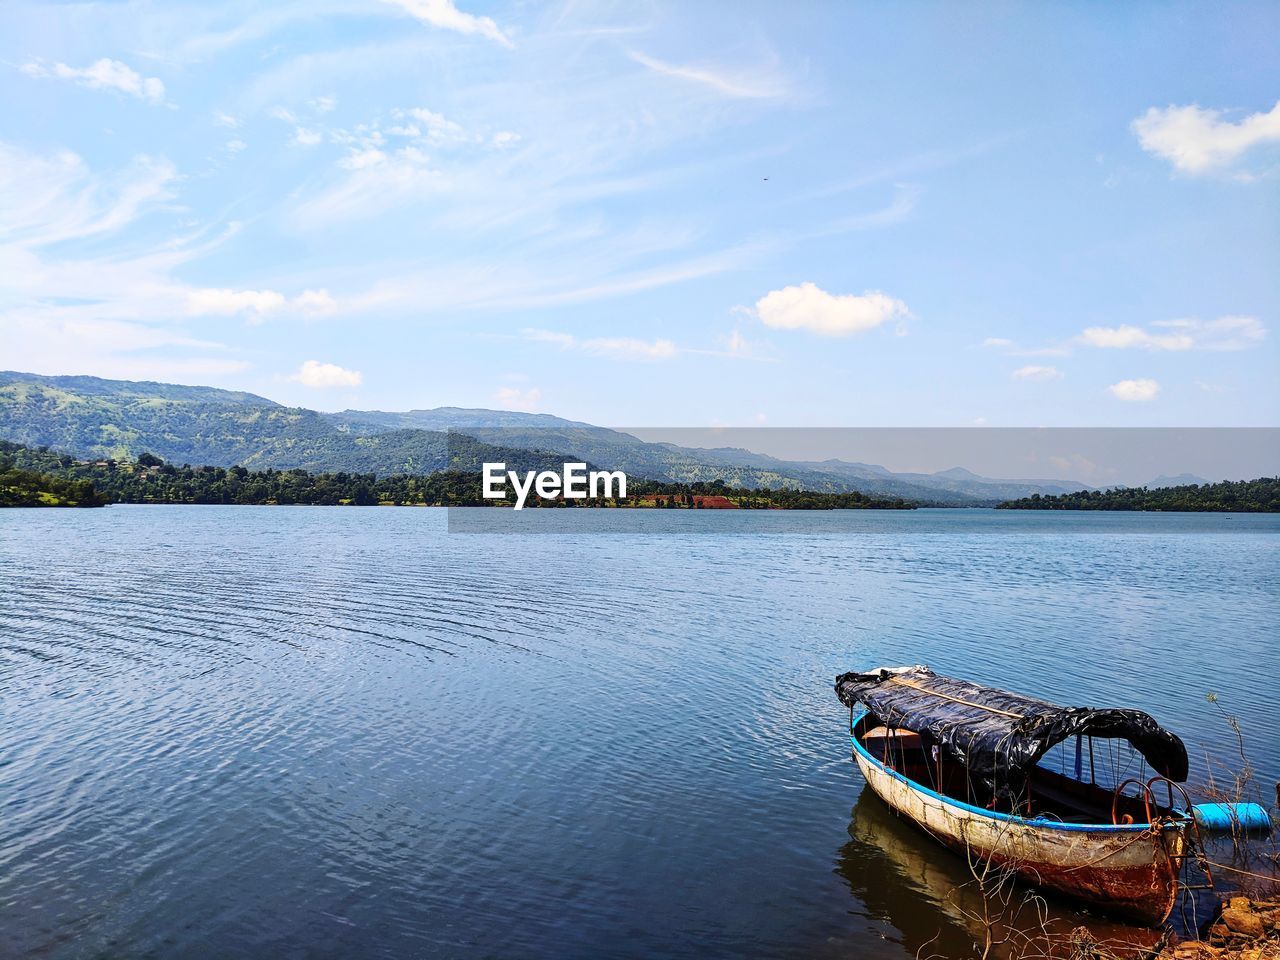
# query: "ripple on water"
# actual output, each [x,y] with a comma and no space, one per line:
[318,732]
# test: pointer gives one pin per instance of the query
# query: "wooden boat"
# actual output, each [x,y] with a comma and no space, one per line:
[962,762]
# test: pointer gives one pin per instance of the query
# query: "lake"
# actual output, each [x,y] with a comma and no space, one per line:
[328,732]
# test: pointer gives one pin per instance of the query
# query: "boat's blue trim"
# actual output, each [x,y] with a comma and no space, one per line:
[1038,822]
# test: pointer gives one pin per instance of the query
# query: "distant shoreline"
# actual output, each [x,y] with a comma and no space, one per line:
[1230,496]
[44,478]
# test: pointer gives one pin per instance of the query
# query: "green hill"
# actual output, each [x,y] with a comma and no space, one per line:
[95,419]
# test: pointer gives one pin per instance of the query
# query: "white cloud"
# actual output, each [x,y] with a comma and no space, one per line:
[1037,373]
[505,138]
[438,127]
[1125,336]
[1135,390]
[513,398]
[321,376]
[445,15]
[1196,140]
[256,304]
[361,159]
[808,307]
[1224,333]
[322,104]
[235,146]
[997,342]
[228,302]
[225,120]
[627,348]
[303,137]
[315,302]
[756,86]
[104,74]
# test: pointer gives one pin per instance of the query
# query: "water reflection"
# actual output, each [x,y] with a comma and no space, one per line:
[930,896]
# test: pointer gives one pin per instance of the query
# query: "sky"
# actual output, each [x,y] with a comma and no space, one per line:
[697,215]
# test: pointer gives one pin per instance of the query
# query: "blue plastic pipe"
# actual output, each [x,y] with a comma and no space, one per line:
[1231,816]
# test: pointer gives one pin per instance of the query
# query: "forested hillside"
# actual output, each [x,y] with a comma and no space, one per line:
[95,419]
[91,418]
[104,419]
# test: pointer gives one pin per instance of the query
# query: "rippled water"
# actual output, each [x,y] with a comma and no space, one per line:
[320,732]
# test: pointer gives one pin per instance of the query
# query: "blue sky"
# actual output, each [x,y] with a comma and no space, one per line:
[651,214]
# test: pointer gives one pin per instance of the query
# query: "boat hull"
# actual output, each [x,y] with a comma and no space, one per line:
[1129,871]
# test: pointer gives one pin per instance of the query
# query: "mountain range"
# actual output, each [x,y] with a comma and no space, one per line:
[93,418]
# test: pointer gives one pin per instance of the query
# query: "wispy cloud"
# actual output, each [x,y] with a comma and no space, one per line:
[51,198]
[1011,348]
[626,348]
[375,181]
[754,85]
[104,74]
[903,204]
[1198,141]
[82,290]
[1034,372]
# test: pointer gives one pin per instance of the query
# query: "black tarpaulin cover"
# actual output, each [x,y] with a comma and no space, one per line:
[998,735]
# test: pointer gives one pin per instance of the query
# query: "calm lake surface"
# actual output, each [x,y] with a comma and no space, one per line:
[325,732]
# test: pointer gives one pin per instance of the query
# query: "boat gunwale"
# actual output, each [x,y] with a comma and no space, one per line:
[1038,823]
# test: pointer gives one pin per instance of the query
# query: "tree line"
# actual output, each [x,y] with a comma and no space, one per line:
[26,488]
[1231,496]
[149,479]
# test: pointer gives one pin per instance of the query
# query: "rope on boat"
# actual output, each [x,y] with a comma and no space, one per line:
[945,696]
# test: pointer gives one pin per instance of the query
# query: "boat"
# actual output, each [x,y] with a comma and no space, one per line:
[967,764]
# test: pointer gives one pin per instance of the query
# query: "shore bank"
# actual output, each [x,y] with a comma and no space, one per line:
[1245,929]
